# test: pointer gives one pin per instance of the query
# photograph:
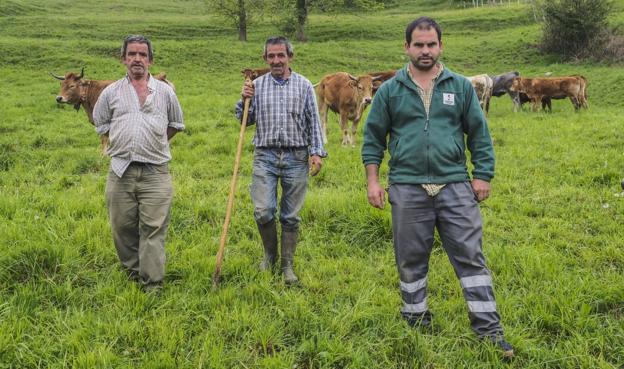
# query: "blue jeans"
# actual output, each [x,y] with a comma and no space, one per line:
[289,166]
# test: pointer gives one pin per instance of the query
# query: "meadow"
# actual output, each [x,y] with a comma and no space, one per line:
[553,231]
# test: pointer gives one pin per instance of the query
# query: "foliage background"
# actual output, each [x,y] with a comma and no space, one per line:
[553,228]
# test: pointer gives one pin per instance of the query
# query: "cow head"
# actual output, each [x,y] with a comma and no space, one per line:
[516,85]
[71,89]
[364,86]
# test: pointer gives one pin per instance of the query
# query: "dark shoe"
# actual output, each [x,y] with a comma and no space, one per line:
[133,275]
[422,320]
[502,345]
[153,288]
[289,245]
[268,233]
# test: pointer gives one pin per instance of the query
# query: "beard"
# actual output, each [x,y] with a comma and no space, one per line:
[428,64]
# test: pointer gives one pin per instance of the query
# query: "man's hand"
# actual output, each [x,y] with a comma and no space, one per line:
[248,89]
[481,189]
[315,164]
[376,194]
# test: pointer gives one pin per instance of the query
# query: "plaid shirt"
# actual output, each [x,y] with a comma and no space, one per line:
[426,95]
[286,114]
[137,133]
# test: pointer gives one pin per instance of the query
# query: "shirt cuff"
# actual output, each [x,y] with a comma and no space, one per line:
[318,152]
[102,128]
[177,125]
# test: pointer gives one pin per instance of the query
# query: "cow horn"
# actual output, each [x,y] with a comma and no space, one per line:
[377,78]
[81,73]
[352,77]
[57,77]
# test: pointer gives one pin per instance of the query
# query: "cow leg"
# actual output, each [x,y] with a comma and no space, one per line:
[323,115]
[344,121]
[534,103]
[354,126]
[487,106]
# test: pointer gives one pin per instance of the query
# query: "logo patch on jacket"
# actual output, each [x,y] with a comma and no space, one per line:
[448,99]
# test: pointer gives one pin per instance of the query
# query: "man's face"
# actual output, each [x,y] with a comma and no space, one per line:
[137,59]
[277,58]
[425,49]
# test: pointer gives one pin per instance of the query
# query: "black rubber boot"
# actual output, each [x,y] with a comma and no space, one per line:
[289,244]
[268,233]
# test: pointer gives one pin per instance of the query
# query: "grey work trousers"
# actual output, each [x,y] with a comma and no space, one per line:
[139,205]
[455,213]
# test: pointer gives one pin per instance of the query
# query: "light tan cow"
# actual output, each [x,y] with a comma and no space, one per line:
[483,84]
[346,95]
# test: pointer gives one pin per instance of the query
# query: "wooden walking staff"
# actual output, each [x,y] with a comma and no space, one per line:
[230,203]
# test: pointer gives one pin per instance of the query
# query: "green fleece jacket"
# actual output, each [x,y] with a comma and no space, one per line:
[428,149]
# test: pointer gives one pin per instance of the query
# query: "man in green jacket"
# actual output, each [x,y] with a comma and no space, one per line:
[422,116]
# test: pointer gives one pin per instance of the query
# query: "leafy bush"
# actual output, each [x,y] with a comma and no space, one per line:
[575,28]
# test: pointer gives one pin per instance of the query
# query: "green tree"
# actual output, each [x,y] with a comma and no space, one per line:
[241,13]
[293,15]
[575,28]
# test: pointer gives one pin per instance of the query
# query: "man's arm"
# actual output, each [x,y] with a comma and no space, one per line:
[480,146]
[478,137]
[175,116]
[247,92]
[102,113]
[376,193]
[311,115]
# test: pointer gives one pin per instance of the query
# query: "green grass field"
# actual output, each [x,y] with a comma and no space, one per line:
[553,227]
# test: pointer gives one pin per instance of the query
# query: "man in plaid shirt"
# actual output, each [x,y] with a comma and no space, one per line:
[288,143]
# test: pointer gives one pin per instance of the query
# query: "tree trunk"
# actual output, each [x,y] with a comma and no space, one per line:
[242,21]
[302,16]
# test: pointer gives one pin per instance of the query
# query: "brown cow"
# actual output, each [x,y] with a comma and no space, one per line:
[346,95]
[553,87]
[483,84]
[84,92]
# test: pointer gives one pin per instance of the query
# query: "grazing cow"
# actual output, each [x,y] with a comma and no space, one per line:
[553,87]
[482,84]
[84,92]
[381,78]
[346,95]
[255,73]
[501,84]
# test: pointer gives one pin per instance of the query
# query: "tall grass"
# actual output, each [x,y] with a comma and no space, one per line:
[553,227]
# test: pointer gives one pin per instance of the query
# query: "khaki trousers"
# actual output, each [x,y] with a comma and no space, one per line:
[139,205]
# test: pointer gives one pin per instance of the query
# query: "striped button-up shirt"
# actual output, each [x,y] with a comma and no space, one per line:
[426,95]
[285,113]
[137,132]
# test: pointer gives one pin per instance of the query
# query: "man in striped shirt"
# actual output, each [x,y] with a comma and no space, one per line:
[288,143]
[140,114]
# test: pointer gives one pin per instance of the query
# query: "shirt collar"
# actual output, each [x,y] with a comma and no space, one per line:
[151,83]
[281,82]
[438,65]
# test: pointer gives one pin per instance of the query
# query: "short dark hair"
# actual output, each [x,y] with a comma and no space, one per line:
[279,40]
[137,39]
[422,23]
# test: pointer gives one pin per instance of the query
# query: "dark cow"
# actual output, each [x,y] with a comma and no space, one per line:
[346,95]
[381,78]
[553,87]
[84,92]
[501,84]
